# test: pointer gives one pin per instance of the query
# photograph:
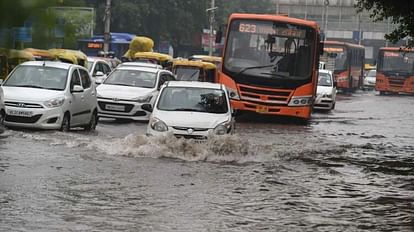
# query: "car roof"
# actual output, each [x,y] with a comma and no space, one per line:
[138,68]
[195,84]
[54,64]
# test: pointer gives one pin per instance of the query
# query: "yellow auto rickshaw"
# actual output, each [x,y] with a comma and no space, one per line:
[70,56]
[212,59]
[138,44]
[154,57]
[41,54]
[10,58]
[194,70]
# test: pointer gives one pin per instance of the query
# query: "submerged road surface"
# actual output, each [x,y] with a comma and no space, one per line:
[349,170]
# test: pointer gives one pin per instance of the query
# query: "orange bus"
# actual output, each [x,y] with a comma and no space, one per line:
[395,70]
[347,61]
[270,64]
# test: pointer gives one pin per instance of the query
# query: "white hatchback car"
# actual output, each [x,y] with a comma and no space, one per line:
[370,79]
[191,110]
[127,88]
[50,95]
[98,69]
[326,91]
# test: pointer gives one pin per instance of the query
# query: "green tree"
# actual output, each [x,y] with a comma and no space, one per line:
[399,12]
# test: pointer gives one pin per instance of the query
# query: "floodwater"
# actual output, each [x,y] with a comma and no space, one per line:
[349,170]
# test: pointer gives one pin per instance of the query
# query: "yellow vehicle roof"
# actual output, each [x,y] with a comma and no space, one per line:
[194,63]
[153,55]
[369,66]
[41,53]
[212,59]
[69,55]
[19,54]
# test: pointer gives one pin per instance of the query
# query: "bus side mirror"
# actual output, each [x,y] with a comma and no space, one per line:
[321,45]
[219,35]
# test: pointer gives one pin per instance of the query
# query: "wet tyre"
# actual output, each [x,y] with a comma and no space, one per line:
[2,117]
[65,127]
[92,122]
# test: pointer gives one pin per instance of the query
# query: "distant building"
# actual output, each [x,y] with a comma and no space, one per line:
[343,22]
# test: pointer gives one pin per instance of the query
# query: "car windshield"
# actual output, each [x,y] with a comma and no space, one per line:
[135,78]
[193,99]
[187,73]
[372,73]
[41,77]
[324,79]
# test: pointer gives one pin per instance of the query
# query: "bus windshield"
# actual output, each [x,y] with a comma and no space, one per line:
[269,50]
[396,61]
[335,58]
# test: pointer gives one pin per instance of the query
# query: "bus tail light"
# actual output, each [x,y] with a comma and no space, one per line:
[300,101]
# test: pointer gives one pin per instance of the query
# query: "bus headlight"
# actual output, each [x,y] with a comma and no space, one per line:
[300,101]
[233,94]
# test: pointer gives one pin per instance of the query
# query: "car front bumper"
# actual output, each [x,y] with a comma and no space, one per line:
[41,118]
[122,110]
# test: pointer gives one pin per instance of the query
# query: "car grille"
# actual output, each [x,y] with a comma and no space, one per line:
[127,107]
[23,105]
[195,137]
[265,96]
[20,119]
[187,128]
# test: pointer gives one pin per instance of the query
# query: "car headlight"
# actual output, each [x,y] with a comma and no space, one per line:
[158,125]
[328,95]
[233,94]
[98,95]
[300,101]
[222,128]
[56,102]
[144,99]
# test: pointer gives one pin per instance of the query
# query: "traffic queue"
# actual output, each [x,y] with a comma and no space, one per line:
[277,75]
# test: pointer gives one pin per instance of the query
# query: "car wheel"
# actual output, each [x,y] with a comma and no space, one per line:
[333,106]
[65,127]
[93,122]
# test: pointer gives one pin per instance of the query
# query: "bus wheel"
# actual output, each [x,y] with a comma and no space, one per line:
[382,93]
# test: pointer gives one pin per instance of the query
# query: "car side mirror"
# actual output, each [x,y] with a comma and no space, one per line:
[334,83]
[77,89]
[99,74]
[147,107]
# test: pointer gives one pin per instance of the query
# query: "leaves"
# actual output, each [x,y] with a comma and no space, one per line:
[399,12]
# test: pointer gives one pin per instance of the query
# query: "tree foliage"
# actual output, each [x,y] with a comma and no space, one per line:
[399,12]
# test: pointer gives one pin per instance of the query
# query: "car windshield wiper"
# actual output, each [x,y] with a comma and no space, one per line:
[31,86]
[188,109]
[278,74]
[254,67]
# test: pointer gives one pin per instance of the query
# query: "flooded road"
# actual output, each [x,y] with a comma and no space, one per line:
[348,170]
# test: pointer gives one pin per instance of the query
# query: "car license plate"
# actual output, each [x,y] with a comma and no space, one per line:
[262,109]
[20,113]
[115,107]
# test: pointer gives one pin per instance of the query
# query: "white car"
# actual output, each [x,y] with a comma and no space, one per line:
[191,110]
[50,95]
[370,79]
[98,69]
[140,64]
[127,88]
[326,91]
